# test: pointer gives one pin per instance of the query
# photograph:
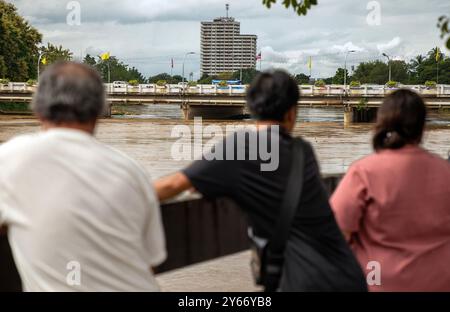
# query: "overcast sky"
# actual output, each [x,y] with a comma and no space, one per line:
[148,33]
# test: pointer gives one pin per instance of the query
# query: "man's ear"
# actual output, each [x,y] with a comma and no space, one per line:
[290,118]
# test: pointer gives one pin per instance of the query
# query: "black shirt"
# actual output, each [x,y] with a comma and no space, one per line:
[317,258]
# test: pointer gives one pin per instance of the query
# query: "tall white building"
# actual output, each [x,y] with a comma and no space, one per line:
[224,49]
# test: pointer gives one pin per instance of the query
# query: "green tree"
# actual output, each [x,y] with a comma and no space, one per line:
[375,72]
[443,23]
[205,79]
[53,54]
[18,45]
[339,77]
[300,7]
[302,79]
[90,60]
[248,74]
[119,71]
[428,68]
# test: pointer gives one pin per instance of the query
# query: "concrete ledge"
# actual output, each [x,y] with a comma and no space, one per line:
[196,230]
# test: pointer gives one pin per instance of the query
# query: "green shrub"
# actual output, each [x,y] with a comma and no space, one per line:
[392,84]
[355,84]
[133,83]
[362,104]
[430,84]
[4,81]
[31,82]
[161,83]
[320,83]
[192,84]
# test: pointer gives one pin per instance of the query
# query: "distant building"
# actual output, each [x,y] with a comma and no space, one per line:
[224,49]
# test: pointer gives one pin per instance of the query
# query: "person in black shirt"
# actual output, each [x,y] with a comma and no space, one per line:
[316,256]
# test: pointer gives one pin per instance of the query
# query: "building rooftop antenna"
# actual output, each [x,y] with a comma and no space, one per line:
[227,7]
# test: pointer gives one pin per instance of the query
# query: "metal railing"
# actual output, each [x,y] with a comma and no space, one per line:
[240,90]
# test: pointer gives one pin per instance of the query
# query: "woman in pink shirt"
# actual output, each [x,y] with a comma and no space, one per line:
[394,205]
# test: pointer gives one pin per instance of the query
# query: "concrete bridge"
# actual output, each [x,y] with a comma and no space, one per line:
[214,102]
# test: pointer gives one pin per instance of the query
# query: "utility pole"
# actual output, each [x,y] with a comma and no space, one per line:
[227,7]
[389,63]
[345,70]
[184,60]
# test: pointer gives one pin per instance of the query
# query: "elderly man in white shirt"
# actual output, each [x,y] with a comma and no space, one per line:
[81,216]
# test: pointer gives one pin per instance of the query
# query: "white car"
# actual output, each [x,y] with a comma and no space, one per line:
[119,86]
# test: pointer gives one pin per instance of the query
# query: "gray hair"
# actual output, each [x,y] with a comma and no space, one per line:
[69,92]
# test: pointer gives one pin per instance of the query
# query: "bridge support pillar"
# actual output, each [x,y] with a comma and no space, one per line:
[356,115]
[107,112]
[212,111]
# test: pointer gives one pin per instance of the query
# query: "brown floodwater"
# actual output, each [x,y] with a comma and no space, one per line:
[145,135]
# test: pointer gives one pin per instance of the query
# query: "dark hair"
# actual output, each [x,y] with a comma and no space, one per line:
[272,94]
[69,92]
[400,120]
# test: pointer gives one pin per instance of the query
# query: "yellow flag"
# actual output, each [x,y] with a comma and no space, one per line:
[438,54]
[310,63]
[44,61]
[105,56]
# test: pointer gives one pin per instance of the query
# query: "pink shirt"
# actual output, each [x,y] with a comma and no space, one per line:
[397,204]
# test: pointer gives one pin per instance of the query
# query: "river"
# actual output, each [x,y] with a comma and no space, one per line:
[144,133]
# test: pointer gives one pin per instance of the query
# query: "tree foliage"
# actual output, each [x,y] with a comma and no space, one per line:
[338,78]
[248,74]
[302,79]
[301,7]
[18,45]
[443,25]
[118,70]
[166,77]
[53,54]
[420,69]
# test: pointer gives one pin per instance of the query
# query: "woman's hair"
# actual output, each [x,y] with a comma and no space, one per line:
[400,120]
[272,94]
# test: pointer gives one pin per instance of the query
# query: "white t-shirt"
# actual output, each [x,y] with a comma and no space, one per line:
[81,216]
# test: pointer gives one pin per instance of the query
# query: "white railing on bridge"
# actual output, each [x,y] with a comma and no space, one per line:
[306,90]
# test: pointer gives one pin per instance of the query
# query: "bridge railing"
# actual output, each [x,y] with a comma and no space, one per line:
[239,90]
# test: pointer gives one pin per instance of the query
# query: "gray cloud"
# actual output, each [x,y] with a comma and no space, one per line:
[148,33]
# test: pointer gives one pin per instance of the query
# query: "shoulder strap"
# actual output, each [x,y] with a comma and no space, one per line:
[291,199]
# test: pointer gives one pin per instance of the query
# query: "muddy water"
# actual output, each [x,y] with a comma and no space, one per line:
[145,134]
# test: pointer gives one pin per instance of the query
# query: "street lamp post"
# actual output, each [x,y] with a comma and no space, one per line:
[184,60]
[389,64]
[345,70]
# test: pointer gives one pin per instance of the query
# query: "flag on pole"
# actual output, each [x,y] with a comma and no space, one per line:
[105,56]
[259,57]
[438,54]
[310,63]
[171,63]
[44,61]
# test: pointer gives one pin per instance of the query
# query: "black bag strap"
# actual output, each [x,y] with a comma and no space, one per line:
[291,199]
